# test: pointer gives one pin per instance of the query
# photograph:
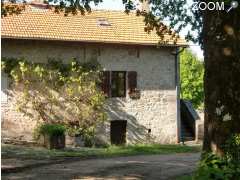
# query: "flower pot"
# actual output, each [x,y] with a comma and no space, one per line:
[54,141]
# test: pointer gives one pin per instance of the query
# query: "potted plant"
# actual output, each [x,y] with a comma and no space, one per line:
[53,135]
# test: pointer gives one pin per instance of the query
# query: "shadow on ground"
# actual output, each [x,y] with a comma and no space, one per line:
[134,167]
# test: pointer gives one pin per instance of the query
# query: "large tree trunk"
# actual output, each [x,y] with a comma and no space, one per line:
[221,32]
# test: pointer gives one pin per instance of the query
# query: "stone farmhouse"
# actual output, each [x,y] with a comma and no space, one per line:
[132,59]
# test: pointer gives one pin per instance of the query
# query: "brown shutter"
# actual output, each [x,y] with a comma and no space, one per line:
[132,81]
[106,83]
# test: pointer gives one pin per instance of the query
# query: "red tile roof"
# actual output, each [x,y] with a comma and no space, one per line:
[46,25]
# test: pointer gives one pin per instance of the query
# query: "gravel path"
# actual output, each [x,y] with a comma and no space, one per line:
[134,167]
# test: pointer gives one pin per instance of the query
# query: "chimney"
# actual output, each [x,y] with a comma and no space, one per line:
[145,6]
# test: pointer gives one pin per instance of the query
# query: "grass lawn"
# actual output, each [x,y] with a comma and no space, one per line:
[9,151]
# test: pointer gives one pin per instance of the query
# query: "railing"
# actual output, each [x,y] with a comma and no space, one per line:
[188,116]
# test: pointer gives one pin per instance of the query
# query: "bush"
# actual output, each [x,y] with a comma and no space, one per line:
[216,168]
[52,129]
[232,148]
[86,134]
[226,167]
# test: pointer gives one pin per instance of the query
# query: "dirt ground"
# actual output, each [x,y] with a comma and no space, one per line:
[135,167]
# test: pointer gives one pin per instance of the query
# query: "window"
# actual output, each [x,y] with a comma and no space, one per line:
[114,83]
[118,84]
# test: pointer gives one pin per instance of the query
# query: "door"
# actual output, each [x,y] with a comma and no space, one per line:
[118,132]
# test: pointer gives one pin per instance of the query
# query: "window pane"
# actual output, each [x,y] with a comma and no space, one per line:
[118,84]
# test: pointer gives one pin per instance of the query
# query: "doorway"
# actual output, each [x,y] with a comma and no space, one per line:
[118,131]
[188,121]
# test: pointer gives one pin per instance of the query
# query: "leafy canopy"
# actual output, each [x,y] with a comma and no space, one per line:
[191,74]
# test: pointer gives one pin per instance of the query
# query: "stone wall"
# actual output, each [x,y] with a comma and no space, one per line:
[155,67]
[14,124]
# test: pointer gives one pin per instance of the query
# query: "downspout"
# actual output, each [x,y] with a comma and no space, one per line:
[177,83]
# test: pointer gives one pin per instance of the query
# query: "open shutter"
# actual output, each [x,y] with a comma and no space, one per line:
[4,87]
[106,83]
[132,81]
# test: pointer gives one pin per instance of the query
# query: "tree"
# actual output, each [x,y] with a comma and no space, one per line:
[219,35]
[221,44]
[191,75]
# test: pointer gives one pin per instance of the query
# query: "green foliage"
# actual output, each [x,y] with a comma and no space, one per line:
[58,93]
[88,137]
[213,167]
[225,167]
[52,129]
[232,148]
[87,134]
[191,74]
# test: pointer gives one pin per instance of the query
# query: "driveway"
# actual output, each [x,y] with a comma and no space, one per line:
[134,167]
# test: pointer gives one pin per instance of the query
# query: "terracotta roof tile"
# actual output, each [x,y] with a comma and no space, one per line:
[47,25]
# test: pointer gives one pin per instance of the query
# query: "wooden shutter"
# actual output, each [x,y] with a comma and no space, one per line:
[132,81]
[106,83]
[4,87]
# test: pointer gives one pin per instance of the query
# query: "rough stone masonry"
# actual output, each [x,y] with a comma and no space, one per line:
[151,117]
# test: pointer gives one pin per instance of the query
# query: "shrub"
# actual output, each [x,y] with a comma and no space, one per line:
[214,167]
[226,167]
[52,129]
[89,137]
[232,148]
[87,134]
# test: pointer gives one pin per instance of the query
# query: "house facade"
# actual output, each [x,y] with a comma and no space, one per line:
[131,59]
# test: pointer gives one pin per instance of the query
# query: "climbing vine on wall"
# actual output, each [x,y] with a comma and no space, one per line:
[55,92]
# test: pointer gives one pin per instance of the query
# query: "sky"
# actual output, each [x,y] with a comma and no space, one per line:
[117,5]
